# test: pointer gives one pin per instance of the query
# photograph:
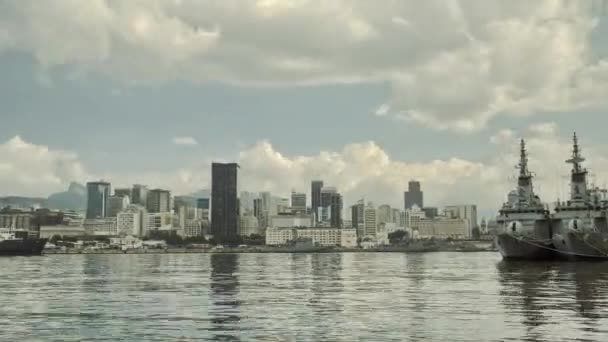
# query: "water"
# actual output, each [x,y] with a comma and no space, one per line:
[300,297]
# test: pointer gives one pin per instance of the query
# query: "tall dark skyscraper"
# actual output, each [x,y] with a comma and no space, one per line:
[224,203]
[414,196]
[139,195]
[336,210]
[97,199]
[315,197]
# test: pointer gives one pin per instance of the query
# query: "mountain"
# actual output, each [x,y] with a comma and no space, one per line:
[203,193]
[75,198]
[22,202]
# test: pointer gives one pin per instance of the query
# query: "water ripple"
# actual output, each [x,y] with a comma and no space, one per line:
[303,297]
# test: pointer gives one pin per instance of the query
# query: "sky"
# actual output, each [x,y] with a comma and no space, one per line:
[365,97]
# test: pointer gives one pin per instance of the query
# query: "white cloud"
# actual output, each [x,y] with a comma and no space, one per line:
[457,66]
[185,141]
[357,170]
[34,170]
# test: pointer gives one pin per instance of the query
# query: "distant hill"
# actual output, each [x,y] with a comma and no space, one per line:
[203,193]
[75,198]
[22,202]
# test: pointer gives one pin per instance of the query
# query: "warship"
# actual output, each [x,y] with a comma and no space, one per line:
[524,226]
[579,224]
[20,242]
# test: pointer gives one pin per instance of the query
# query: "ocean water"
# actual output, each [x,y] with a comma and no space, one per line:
[300,297]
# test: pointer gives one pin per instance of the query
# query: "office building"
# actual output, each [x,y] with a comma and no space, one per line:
[370,222]
[132,220]
[249,225]
[443,228]
[430,212]
[246,199]
[101,226]
[315,197]
[466,211]
[298,202]
[413,196]
[139,195]
[318,236]
[116,204]
[159,201]
[291,221]
[413,216]
[257,208]
[358,217]
[224,203]
[202,203]
[385,214]
[97,199]
[122,192]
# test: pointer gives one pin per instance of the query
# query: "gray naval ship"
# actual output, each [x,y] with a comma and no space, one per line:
[580,227]
[524,225]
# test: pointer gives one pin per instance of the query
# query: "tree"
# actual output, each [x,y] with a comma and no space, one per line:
[55,238]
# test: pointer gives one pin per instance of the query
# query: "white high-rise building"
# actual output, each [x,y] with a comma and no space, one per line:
[385,214]
[132,220]
[370,220]
[413,216]
[467,211]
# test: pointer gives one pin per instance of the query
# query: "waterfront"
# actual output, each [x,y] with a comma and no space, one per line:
[301,297]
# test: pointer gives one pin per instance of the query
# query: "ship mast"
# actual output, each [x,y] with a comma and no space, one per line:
[577,158]
[523,161]
[578,178]
[524,181]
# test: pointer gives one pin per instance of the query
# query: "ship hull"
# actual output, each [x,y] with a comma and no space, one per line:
[510,247]
[575,245]
[22,247]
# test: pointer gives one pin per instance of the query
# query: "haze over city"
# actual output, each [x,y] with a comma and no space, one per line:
[356,94]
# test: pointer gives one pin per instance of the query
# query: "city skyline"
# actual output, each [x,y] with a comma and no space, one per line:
[366,117]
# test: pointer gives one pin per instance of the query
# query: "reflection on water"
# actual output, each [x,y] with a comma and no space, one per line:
[301,297]
[224,297]
[556,299]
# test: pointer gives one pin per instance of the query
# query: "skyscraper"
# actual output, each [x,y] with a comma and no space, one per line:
[139,195]
[335,205]
[224,203]
[298,202]
[358,219]
[315,197]
[122,192]
[159,201]
[414,196]
[97,199]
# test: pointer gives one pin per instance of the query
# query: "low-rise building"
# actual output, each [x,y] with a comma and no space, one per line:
[47,232]
[101,226]
[319,236]
[443,228]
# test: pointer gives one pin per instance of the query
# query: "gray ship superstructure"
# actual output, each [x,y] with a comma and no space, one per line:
[524,227]
[579,224]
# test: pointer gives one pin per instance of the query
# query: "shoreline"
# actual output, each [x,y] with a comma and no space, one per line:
[452,249]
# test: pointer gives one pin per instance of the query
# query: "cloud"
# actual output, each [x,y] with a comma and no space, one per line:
[29,169]
[185,141]
[451,65]
[358,170]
